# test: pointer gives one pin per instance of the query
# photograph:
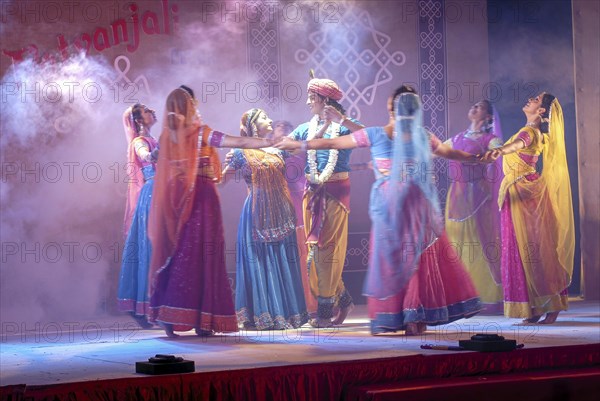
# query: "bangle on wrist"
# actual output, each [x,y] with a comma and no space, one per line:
[304,146]
[342,120]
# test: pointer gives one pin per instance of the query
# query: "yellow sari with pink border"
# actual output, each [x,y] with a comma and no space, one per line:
[541,212]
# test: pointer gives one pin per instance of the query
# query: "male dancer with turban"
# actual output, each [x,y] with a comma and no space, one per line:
[326,203]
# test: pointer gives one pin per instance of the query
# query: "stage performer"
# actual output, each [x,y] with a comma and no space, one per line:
[142,153]
[326,204]
[296,180]
[269,293]
[189,284]
[415,277]
[472,224]
[536,209]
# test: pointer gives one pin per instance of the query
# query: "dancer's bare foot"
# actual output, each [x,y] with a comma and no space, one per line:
[533,319]
[342,315]
[550,317]
[415,329]
[320,322]
[249,326]
[203,333]
[141,320]
[169,330]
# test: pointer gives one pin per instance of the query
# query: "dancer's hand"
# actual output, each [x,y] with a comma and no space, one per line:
[275,141]
[154,155]
[197,122]
[490,156]
[323,129]
[333,114]
[288,144]
[270,142]
[229,157]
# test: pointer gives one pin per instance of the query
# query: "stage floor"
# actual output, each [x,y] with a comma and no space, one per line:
[54,353]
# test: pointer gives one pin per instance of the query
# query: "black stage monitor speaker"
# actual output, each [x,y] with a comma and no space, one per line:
[488,343]
[165,364]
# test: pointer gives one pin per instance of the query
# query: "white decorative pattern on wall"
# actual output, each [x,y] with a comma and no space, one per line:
[432,78]
[355,54]
[263,54]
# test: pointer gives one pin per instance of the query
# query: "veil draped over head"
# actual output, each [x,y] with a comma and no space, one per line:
[556,176]
[405,209]
[175,178]
[412,151]
[129,124]
[134,169]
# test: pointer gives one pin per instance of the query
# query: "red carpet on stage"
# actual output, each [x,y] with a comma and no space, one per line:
[552,373]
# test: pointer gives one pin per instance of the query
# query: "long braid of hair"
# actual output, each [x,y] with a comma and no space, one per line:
[547,100]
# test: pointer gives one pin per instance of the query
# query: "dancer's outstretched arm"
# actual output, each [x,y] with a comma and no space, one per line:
[341,142]
[245,142]
[447,152]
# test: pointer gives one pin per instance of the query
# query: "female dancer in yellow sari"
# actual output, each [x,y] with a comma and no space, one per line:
[538,237]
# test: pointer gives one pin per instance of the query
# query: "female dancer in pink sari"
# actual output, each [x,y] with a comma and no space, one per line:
[538,240]
[415,278]
[472,224]
[189,284]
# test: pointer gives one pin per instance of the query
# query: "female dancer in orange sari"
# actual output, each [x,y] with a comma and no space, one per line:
[189,284]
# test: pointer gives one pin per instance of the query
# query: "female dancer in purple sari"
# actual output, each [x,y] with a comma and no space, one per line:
[472,223]
[415,278]
[189,284]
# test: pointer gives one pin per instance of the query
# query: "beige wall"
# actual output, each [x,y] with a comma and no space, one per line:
[211,46]
[586,24]
[467,61]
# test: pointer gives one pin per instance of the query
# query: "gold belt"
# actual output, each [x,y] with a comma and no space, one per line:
[206,171]
[343,175]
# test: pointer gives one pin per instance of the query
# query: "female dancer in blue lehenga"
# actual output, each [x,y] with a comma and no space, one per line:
[269,292]
[142,154]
